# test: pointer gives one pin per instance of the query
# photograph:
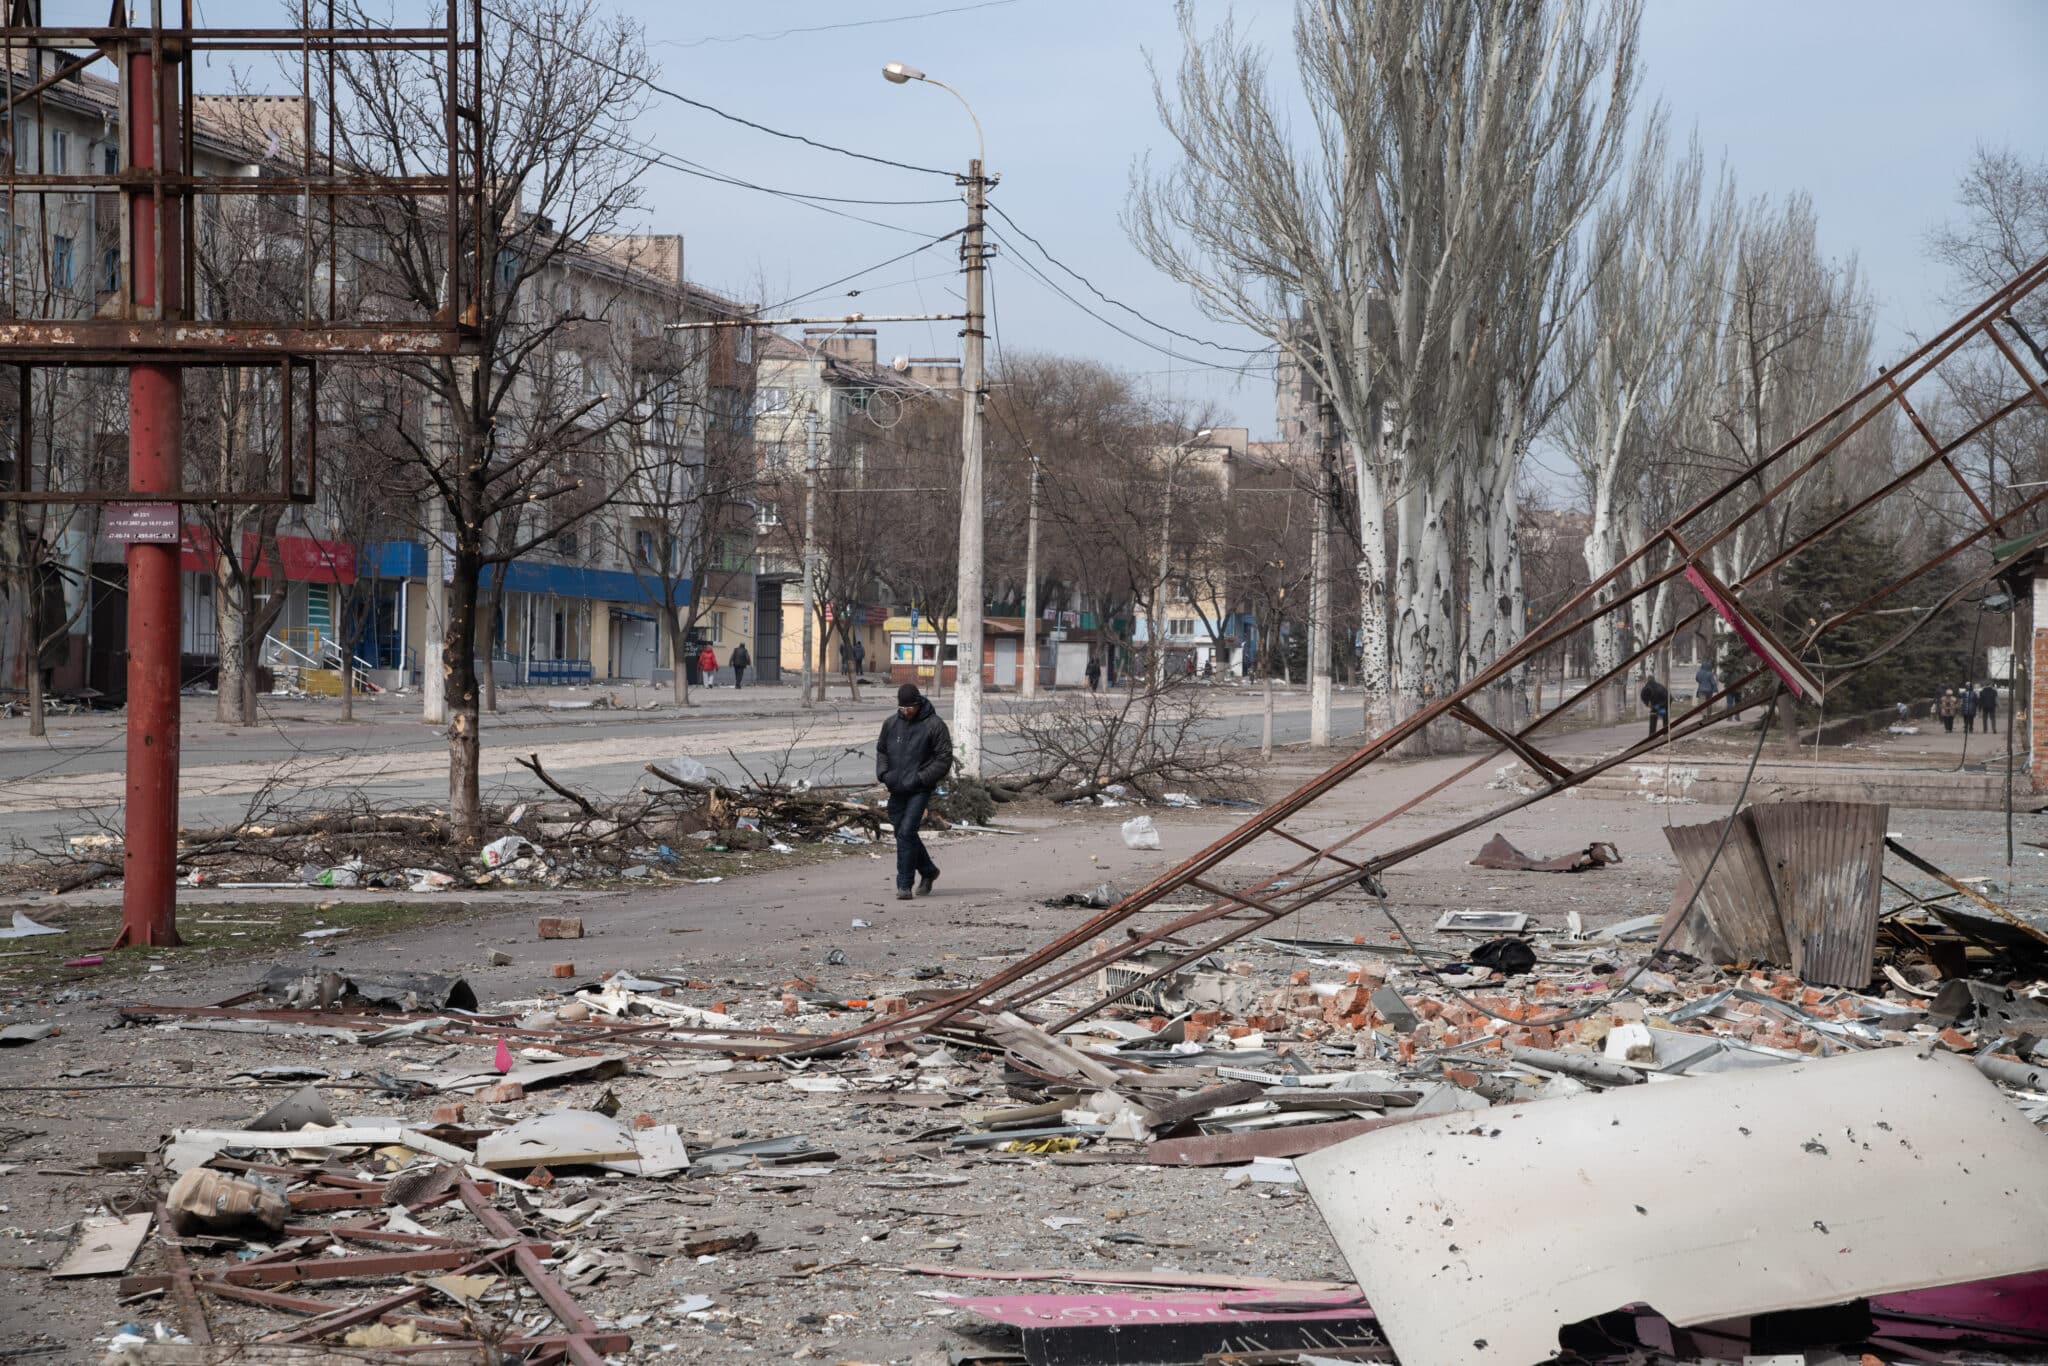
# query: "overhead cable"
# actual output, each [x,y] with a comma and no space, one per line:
[1118,303]
[681,98]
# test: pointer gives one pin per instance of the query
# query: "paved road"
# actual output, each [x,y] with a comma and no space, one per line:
[64,781]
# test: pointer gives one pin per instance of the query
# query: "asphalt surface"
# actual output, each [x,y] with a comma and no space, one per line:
[301,754]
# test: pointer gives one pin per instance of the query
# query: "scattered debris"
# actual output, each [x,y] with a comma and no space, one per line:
[1499,854]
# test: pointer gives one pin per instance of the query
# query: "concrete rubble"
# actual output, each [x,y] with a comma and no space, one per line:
[570,1176]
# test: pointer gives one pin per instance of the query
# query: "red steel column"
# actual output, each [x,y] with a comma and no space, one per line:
[149,894]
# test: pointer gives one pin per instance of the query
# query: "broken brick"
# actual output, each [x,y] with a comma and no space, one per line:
[562,970]
[561,927]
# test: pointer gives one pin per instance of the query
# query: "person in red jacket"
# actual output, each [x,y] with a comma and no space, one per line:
[707,666]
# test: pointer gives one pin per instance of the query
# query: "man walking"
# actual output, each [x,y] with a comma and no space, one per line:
[1987,703]
[1704,682]
[1946,710]
[860,656]
[740,660]
[1094,674]
[1658,699]
[1967,705]
[912,757]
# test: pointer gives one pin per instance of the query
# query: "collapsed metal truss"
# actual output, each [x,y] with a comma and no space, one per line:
[150,311]
[1328,867]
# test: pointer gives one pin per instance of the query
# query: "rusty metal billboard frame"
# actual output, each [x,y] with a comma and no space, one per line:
[1328,867]
[36,59]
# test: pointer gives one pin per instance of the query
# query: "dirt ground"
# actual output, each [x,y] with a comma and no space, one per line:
[825,1279]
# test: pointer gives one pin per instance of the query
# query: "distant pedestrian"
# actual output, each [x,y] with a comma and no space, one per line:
[1905,712]
[860,655]
[1946,709]
[1704,683]
[912,757]
[1987,706]
[1188,668]
[1109,668]
[707,665]
[1658,699]
[1966,703]
[740,659]
[1094,674]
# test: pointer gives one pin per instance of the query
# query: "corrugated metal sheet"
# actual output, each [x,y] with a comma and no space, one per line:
[1737,917]
[1825,859]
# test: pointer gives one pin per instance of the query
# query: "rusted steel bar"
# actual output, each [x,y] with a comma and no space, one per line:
[182,1284]
[583,1330]
[349,1317]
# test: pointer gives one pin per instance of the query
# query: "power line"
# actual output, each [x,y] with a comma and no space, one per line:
[1118,328]
[865,270]
[655,156]
[1118,303]
[681,98]
[828,28]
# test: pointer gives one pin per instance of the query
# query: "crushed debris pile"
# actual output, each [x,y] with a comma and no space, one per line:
[528,1153]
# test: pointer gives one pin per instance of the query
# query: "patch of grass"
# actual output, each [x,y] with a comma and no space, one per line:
[221,932]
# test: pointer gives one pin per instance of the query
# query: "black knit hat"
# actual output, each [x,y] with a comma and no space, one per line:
[908,695]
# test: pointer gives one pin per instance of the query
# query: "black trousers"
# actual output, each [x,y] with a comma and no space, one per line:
[739,674]
[906,816]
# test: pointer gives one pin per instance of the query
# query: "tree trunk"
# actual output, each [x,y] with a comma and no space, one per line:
[32,656]
[486,628]
[681,670]
[458,664]
[230,612]
[1374,673]
[348,665]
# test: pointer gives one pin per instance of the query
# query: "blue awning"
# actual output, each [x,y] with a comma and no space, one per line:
[408,560]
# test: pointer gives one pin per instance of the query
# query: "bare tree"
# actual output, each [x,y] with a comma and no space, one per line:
[1639,349]
[688,516]
[1450,139]
[563,85]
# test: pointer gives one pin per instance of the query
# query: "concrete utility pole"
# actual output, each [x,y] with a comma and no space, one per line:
[968,593]
[433,668]
[149,874]
[1156,629]
[810,540]
[1030,687]
[1319,580]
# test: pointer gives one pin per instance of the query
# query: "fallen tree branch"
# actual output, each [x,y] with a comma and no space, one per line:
[532,765]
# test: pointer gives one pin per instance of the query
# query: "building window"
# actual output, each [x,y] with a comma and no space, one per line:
[60,152]
[110,270]
[643,547]
[113,161]
[565,543]
[718,626]
[772,398]
[60,262]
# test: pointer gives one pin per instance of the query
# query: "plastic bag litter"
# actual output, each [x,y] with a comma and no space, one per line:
[427,880]
[500,852]
[684,769]
[330,877]
[1179,799]
[1140,833]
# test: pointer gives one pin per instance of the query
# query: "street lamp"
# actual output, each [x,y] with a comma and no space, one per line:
[967,674]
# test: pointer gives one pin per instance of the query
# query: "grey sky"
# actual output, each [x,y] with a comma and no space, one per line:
[1871,106]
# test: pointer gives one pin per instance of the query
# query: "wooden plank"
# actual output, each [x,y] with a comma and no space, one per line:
[105,1246]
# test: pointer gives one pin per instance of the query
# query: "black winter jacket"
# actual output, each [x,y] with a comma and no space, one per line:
[914,755]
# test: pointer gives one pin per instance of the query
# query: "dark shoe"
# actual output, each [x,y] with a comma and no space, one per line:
[924,882]
[903,894]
